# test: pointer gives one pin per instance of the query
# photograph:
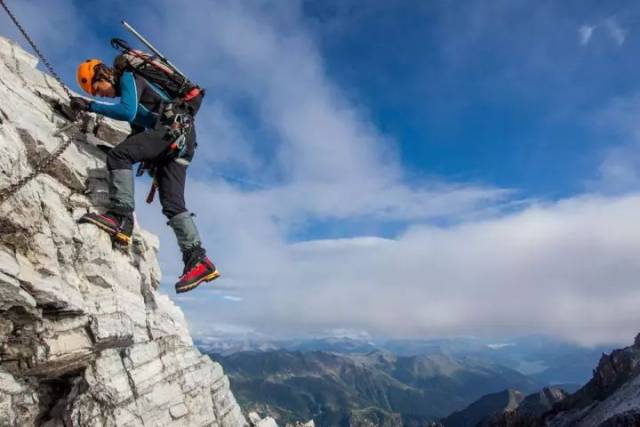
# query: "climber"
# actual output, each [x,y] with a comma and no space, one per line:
[152,140]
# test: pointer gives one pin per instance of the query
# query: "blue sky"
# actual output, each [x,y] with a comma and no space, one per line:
[398,168]
[503,93]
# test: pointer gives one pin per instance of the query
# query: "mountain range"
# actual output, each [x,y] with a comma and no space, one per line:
[453,383]
[551,362]
[376,388]
[611,398]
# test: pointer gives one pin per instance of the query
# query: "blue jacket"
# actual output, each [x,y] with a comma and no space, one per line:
[140,102]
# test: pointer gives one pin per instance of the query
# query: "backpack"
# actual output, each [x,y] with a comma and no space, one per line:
[156,72]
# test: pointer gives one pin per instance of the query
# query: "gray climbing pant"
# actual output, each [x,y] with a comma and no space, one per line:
[171,176]
[186,231]
[121,191]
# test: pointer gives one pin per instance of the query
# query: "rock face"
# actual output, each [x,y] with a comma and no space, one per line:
[611,398]
[86,339]
[538,404]
[474,414]
[529,411]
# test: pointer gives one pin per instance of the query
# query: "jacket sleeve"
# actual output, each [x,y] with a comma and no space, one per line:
[127,109]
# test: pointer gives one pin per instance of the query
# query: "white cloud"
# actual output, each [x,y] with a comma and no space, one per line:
[328,161]
[616,32]
[499,346]
[613,29]
[584,33]
[565,269]
[320,144]
[619,169]
[346,334]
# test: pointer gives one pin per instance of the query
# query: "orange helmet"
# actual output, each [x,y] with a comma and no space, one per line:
[86,73]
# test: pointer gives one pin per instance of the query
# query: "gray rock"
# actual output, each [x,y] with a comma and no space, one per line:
[257,421]
[18,402]
[610,398]
[267,422]
[86,339]
[310,423]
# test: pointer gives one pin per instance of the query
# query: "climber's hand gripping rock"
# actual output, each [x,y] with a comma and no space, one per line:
[79,104]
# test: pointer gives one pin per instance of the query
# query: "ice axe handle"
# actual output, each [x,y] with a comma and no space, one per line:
[153,49]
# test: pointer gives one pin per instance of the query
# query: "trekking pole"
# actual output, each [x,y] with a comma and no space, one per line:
[153,49]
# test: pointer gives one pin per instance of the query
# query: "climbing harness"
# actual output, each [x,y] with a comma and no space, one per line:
[46,162]
[178,125]
[178,120]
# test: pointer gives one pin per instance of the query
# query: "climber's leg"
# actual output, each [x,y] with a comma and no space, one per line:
[198,268]
[118,220]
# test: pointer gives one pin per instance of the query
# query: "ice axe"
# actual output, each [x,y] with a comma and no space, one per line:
[152,49]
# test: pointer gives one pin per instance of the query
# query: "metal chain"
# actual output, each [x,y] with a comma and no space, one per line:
[47,161]
[39,168]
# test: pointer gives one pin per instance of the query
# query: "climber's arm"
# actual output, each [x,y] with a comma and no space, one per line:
[127,108]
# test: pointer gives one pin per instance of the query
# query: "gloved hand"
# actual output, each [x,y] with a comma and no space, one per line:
[79,104]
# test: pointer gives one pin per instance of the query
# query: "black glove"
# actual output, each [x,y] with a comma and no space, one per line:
[79,104]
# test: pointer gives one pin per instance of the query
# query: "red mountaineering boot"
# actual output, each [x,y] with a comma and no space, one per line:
[120,227]
[198,269]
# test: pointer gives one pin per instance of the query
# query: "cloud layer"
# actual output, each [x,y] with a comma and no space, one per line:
[566,269]
[562,268]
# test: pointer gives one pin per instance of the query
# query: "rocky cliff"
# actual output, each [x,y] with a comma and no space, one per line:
[610,398]
[528,412]
[86,339]
[474,414]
